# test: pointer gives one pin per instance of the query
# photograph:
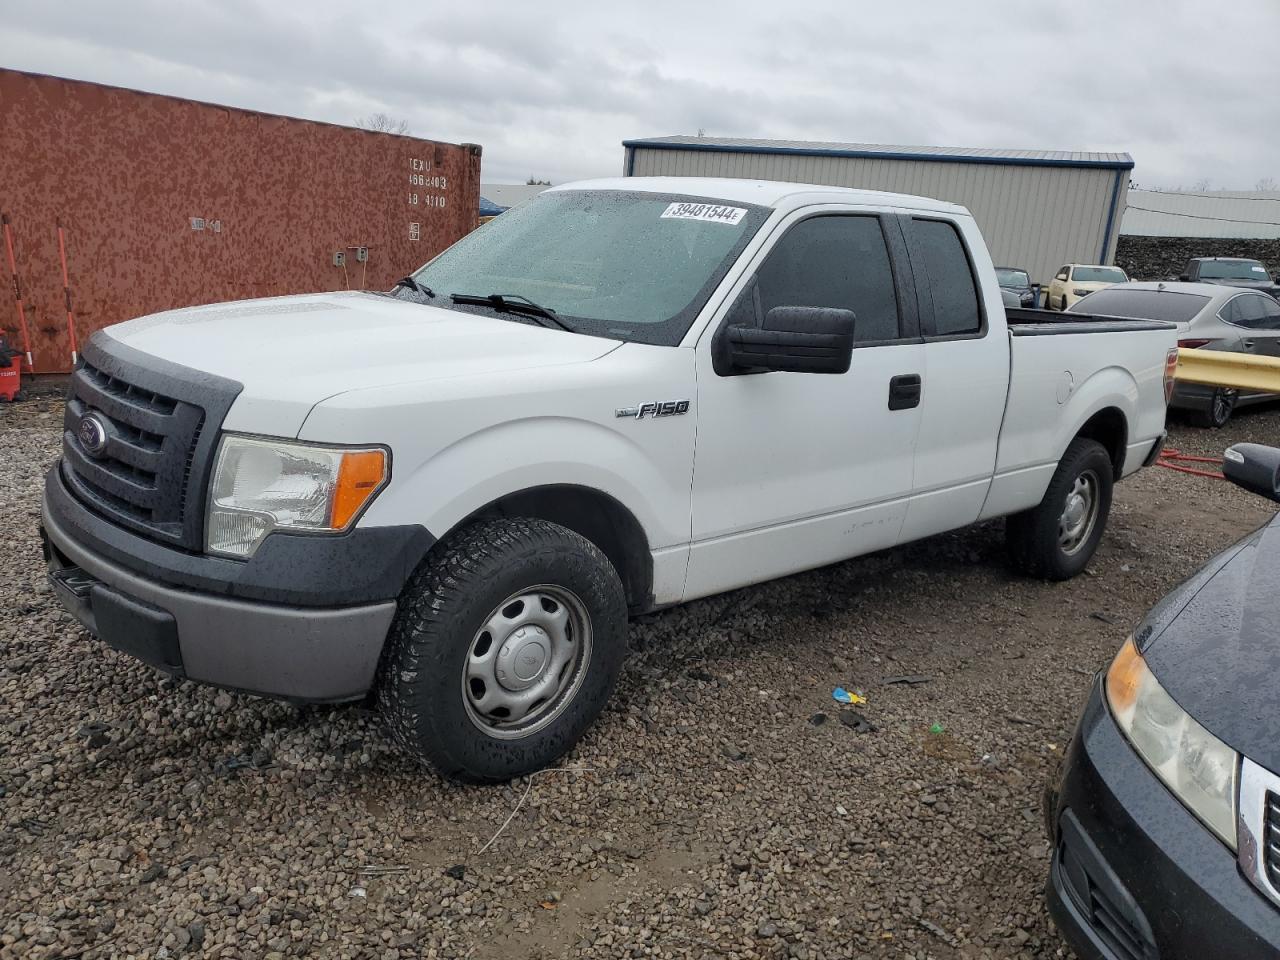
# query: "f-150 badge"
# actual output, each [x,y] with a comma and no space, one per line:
[661,408]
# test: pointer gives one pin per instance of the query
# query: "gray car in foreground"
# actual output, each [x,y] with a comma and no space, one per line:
[1209,317]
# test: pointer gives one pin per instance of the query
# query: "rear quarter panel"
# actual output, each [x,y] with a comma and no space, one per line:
[1058,383]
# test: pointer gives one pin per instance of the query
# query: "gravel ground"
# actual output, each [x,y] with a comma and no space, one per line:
[708,813]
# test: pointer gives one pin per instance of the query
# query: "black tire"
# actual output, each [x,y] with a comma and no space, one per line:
[1221,406]
[421,690]
[1035,537]
[1063,305]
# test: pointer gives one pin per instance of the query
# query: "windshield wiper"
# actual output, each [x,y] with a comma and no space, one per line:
[513,303]
[415,286]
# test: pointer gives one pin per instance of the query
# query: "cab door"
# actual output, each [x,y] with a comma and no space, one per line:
[966,373]
[797,470]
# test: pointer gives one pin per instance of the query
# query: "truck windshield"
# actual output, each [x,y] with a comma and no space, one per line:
[1098,275]
[1141,304]
[631,265]
[1232,270]
[1009,277]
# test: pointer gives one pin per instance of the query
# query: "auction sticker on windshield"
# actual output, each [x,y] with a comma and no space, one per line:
[704,211]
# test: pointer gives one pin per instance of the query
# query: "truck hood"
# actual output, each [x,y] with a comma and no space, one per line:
[1214,645]
[292,352]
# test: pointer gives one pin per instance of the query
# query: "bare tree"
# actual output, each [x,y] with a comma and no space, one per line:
[1266,185]
[535,182]
[383,123]
[1201,185]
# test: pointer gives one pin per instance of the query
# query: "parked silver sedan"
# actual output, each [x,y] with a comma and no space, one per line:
[1209,317]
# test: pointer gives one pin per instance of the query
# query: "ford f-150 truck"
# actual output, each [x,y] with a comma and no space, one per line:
[619,396]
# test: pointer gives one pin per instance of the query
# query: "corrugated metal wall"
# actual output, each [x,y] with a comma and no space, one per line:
[1037,217]
[1222,214]
[168,202]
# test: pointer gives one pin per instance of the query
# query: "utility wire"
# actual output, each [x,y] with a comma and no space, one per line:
[1197,216]
[1208,196]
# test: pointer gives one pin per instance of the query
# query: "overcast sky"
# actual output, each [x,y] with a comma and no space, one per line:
[551,89]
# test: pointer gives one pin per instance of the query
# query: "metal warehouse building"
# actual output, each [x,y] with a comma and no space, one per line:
[1037,209]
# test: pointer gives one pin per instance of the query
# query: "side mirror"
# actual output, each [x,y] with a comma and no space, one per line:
[1254,467]
[794,340]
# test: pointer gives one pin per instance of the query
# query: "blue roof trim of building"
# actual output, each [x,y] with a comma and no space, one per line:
[880,155]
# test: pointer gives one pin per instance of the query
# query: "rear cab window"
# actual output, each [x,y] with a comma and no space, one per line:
[944,275]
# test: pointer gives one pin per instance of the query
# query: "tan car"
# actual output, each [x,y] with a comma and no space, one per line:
[1077,280]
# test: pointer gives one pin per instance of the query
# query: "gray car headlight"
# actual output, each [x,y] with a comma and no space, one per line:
[1196,766]
[262,485]
[1081,293]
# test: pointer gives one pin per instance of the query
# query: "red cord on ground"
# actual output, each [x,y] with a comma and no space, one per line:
[1168,456]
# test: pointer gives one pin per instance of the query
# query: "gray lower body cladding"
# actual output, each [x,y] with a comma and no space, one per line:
[293,646]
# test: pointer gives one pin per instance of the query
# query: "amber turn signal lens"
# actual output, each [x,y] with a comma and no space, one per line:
[361,475]
[1124,677]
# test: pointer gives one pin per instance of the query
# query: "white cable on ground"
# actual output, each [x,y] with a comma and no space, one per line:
[525,796]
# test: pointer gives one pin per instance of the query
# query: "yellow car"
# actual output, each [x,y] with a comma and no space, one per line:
[1077,280]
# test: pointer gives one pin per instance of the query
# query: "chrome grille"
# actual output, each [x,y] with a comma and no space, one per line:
[1271,837]
[1258,828]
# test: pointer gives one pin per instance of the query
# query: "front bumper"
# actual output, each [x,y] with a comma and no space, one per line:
[292,650]
[1134,875]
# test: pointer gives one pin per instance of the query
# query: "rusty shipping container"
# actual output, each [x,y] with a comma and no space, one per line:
[164,202]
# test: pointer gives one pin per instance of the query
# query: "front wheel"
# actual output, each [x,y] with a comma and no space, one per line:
[1055,540]
[505,649]
[1063,305]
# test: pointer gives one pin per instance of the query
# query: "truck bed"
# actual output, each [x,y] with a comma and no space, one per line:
[1029,322]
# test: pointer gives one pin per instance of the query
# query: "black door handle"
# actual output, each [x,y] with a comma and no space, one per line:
[904,391]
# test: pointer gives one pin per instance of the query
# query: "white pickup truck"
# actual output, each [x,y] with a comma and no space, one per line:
[619,396]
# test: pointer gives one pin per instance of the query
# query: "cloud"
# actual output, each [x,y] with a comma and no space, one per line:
[551,90]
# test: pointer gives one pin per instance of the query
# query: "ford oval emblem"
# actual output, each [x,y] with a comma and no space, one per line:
[93,434]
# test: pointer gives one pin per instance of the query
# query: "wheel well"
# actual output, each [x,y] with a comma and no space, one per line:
[594,515]
[1109,428]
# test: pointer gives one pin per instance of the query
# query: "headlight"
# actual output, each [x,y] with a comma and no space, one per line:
[1080,293]
[261,485]
[1196,766]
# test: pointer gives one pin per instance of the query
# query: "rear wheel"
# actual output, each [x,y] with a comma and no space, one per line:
[1221,406]
[505,649]
[1055,540]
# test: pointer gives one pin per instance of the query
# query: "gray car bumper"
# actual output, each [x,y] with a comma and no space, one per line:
[293,652]
[1192,396]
